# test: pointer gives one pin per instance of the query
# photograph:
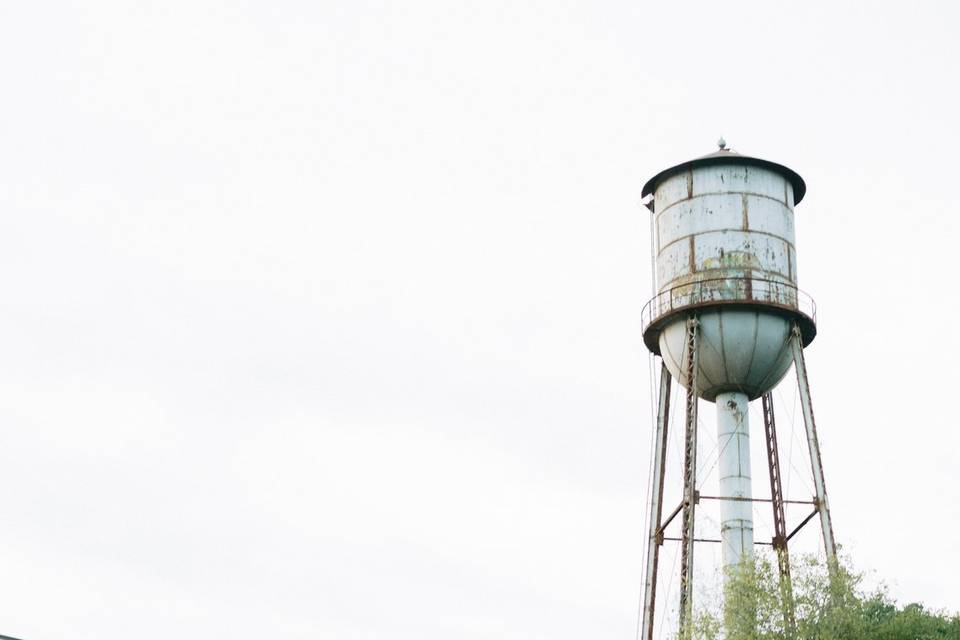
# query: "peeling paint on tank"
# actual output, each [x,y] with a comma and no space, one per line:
[724,234]
[734,224]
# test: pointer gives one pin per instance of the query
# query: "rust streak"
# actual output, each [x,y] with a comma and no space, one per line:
[746,213]
[766,234]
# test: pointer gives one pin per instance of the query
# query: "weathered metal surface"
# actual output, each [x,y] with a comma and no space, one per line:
[725,156]
[726,230]
[726,221]
[728,320]
[733,441]
[813,443]
[724,237]
[745,350]
[779,541]
[771,297]
[692,351]
[654,539]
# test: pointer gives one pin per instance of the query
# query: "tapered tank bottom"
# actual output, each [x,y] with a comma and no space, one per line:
[736,516]
[741,349]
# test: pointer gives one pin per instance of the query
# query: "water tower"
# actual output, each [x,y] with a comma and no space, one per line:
[727,322]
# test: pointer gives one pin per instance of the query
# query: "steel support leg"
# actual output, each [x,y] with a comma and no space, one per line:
[655,537]
[779,518]
[823,506]
[689,475]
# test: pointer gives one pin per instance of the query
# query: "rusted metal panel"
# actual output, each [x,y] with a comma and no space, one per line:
[738,178]
[739,221]
[727,157]
[770,216]
[724,235]
[724,211]
[669,193]
[674,262]
[740,254]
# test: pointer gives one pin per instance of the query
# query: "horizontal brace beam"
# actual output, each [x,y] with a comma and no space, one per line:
[766,544]
[739,499]
[695,539]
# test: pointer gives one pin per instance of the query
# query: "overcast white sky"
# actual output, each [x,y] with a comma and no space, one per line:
[321,319]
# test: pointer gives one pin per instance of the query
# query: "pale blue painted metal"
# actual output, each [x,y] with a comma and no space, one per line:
[725,248]
[736,516]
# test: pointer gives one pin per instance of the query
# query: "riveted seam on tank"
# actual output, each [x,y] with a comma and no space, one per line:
[723,349]
[756,335]
[734,475]
[660,212]
[786,342]
[788,218]
[703,233]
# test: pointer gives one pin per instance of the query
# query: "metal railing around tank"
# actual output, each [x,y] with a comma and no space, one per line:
[712,291]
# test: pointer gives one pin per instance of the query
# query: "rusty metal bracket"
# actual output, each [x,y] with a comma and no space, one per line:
[673,514]
[801,525]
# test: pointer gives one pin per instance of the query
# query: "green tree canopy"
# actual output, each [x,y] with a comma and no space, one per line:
[826,606]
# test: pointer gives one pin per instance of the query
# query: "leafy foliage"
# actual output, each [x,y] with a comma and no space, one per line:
[827,605]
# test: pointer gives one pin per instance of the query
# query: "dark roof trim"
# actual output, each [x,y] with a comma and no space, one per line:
[730,157]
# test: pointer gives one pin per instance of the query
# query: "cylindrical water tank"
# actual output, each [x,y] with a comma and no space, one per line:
[725,250]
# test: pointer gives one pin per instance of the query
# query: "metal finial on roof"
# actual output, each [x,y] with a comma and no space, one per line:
[722,144]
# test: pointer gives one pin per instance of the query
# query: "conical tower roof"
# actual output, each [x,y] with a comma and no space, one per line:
[726,156]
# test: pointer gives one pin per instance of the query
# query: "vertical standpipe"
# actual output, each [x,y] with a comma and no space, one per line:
[736,516]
